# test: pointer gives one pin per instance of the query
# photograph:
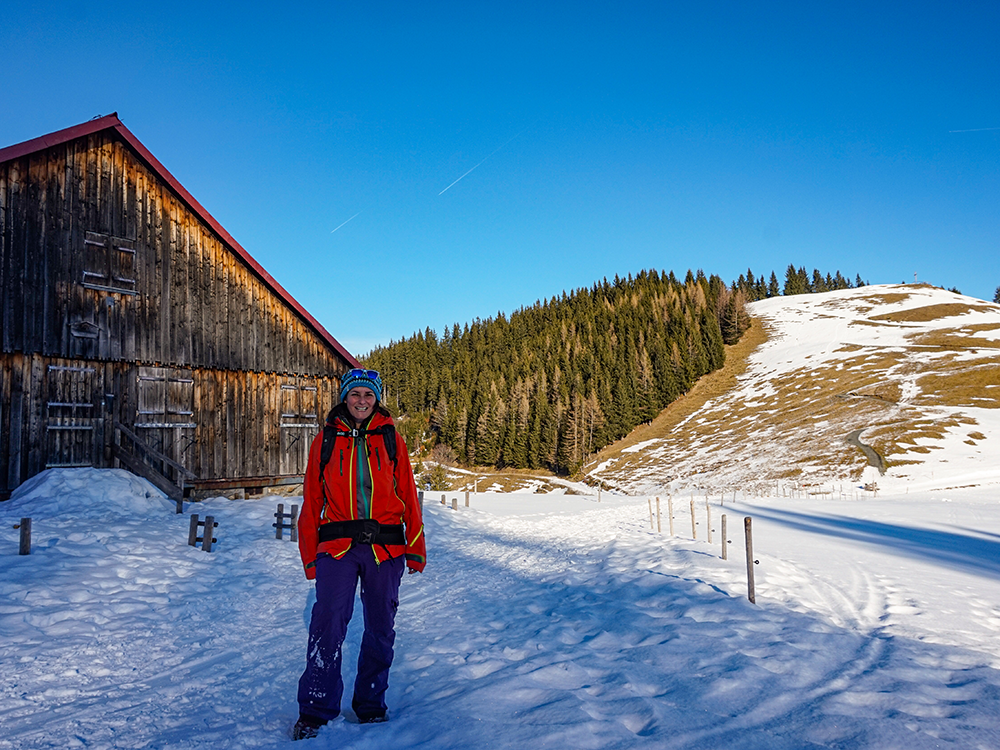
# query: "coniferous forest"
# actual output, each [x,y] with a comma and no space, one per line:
[558,381]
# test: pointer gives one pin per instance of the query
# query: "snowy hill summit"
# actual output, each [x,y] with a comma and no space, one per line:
[894,385]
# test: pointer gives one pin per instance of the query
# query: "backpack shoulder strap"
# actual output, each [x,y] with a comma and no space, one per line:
[326,450]
[388,432]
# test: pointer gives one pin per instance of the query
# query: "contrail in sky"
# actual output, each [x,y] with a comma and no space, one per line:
[973,130]
[351,219]
[491,154]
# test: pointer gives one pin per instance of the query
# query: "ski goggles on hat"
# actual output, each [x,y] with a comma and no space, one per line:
[359,378]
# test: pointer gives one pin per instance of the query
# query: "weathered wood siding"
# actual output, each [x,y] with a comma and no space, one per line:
[120,303]
[219,424]
[99,259]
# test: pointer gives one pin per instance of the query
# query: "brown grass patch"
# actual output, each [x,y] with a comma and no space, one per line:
[953,339]
[887,298]
[928,313]
[969,387]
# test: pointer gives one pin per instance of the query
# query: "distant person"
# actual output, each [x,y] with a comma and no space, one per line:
[360,519]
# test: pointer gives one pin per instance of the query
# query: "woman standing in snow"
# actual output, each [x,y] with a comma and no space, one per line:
[360,520]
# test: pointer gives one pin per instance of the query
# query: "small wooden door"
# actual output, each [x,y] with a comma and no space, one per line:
[72,414]
[299,423]
[165,413]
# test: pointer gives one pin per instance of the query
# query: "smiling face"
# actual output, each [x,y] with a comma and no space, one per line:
[360,403]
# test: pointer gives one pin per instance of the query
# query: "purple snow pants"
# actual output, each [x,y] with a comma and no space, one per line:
[321,685]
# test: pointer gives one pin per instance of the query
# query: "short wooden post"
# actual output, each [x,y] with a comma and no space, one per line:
[708,520]
[659,526]
[598,494]
[454,503]
[442,500]
[694,532]
[208,534]
[649,501]
[725,550]
[180,505]
[25,546]
[193,530]
[279,521]
[295,523]
[420,497]
[670,513]
[751,593]
[466,498]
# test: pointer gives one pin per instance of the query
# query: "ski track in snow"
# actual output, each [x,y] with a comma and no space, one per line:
[572,625]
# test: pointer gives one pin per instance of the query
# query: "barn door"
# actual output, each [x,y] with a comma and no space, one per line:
[299,423]
[72,412]
[165,418]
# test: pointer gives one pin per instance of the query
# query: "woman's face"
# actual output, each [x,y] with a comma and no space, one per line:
[360,403]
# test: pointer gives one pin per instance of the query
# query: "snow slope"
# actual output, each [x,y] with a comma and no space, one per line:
[542,621]
[913,370]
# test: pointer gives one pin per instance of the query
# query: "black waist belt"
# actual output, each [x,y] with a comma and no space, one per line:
[364,531]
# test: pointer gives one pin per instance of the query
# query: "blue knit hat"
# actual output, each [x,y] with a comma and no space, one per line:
[361,379]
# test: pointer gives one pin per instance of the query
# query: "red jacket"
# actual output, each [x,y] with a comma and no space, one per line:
[394,495]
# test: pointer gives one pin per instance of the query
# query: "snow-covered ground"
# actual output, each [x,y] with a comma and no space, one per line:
[542,621]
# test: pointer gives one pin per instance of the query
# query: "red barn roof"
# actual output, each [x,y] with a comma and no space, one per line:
[111,122]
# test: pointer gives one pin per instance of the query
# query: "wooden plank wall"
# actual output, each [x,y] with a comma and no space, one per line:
[196,304]
[193,305]
[238,417]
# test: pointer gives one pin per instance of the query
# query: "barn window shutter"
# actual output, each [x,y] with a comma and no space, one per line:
[109,264]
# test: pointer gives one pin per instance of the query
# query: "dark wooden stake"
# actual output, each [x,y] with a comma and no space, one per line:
[208,534]
[25,547]
[279,521]
[751,593]
[193,530]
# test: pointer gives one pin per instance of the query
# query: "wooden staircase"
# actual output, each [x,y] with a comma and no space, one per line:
[137,456]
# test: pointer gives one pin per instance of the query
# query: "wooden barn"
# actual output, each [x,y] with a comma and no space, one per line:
[138,333]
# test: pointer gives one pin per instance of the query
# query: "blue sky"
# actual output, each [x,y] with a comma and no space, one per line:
[602,139]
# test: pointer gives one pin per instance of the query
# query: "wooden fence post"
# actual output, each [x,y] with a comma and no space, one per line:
[751,592]
[649,501]
[25,543]
[694,533]
[420,497]
[454,503]
[670,513]
[193,530]
[208,534]
[725,551]
[659,525]
[466,498]
[708,520]
[279,521]
[442,500]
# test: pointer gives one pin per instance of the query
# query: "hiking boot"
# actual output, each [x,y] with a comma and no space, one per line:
[307,727]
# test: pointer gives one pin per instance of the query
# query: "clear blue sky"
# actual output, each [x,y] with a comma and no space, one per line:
[603,139]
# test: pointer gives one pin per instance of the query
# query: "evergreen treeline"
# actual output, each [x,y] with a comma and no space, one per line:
[555,382]
[797,281]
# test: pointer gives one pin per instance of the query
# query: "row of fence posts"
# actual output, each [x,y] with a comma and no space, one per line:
[207,528]
[747,530]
